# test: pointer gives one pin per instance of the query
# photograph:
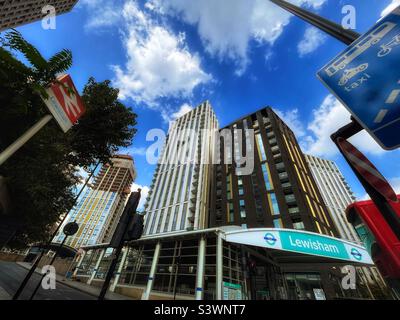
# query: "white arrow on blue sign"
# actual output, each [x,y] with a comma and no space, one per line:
[366,79]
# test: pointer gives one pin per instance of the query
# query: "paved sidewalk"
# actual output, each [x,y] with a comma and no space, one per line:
[83,287]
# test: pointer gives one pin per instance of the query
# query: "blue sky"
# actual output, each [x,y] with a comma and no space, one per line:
[167,56]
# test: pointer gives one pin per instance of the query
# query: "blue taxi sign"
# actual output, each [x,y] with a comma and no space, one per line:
[366,79]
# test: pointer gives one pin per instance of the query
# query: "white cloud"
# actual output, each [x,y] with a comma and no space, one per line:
[395,182]
[144,193]
[393,5]
[169,117]
[226,30]
[159,63]
[291,118]
[327,119]
[102,13]
[312,40]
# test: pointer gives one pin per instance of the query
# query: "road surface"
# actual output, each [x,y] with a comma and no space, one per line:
[11,275]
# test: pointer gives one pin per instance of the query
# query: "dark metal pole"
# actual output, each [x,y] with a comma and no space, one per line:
[51,263]
[36,263]
[387,211]
[335,30]
[118,250]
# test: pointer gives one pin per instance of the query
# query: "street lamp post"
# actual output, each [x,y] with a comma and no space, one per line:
[347,37]
[36,263]
[69,230]
[335,30]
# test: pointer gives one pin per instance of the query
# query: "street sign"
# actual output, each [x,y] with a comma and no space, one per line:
[365,168]
[71,228]
[366,79]
[64,102]
[301,242]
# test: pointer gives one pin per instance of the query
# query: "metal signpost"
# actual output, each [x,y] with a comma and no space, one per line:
[66,107]
[119,238]
[37,261]
[69,230]
[366,79]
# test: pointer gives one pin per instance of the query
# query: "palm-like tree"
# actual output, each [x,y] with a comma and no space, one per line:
[41,72]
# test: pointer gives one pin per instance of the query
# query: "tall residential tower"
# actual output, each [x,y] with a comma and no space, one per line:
[336,193]
[14,13]
[178,199]
[337,196]
[99,208]
[280,192]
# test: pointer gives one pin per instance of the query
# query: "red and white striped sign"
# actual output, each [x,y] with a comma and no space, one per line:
[64,102]
[365,168]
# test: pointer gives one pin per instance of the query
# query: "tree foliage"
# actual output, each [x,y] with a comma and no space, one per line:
[42,175]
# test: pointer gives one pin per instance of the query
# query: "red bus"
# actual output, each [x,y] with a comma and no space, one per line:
[378,238]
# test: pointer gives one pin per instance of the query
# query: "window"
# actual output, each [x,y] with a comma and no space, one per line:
[278,223]
[273,204]
[260,147]
[267,179]
[298,225]
[242,209]
[240,185]
[228,187]
[294,210]
[231,212]
[290,198]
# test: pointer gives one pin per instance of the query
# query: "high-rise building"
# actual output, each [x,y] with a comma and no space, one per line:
[179,195]
[100,206]
[280,192]
[337,196]
[14,13]
[336,193]
[219,223]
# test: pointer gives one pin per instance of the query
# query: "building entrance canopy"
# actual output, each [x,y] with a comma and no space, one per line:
[284,245]
[300,246]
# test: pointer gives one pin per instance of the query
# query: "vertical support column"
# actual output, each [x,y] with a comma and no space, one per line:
[120,267]
[79,264]
[96,267]
[201,259]
[219,265]
[146,293]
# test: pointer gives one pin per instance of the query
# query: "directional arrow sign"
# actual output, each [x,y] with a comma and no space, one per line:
[64,102]
[366,79]
[365,168]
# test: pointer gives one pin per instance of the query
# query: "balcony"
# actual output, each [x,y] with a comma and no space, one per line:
[283,176]
[280,167]
[290,198]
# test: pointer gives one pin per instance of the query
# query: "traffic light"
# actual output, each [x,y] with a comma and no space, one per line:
[130,226]
[135,228]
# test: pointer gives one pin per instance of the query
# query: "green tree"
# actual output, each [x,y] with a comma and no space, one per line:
[42,175]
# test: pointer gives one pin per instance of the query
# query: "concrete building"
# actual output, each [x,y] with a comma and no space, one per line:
[336,193]
[178,199]
[337,196]
[100,206]
[262,233]
[280,192]
[14,13]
